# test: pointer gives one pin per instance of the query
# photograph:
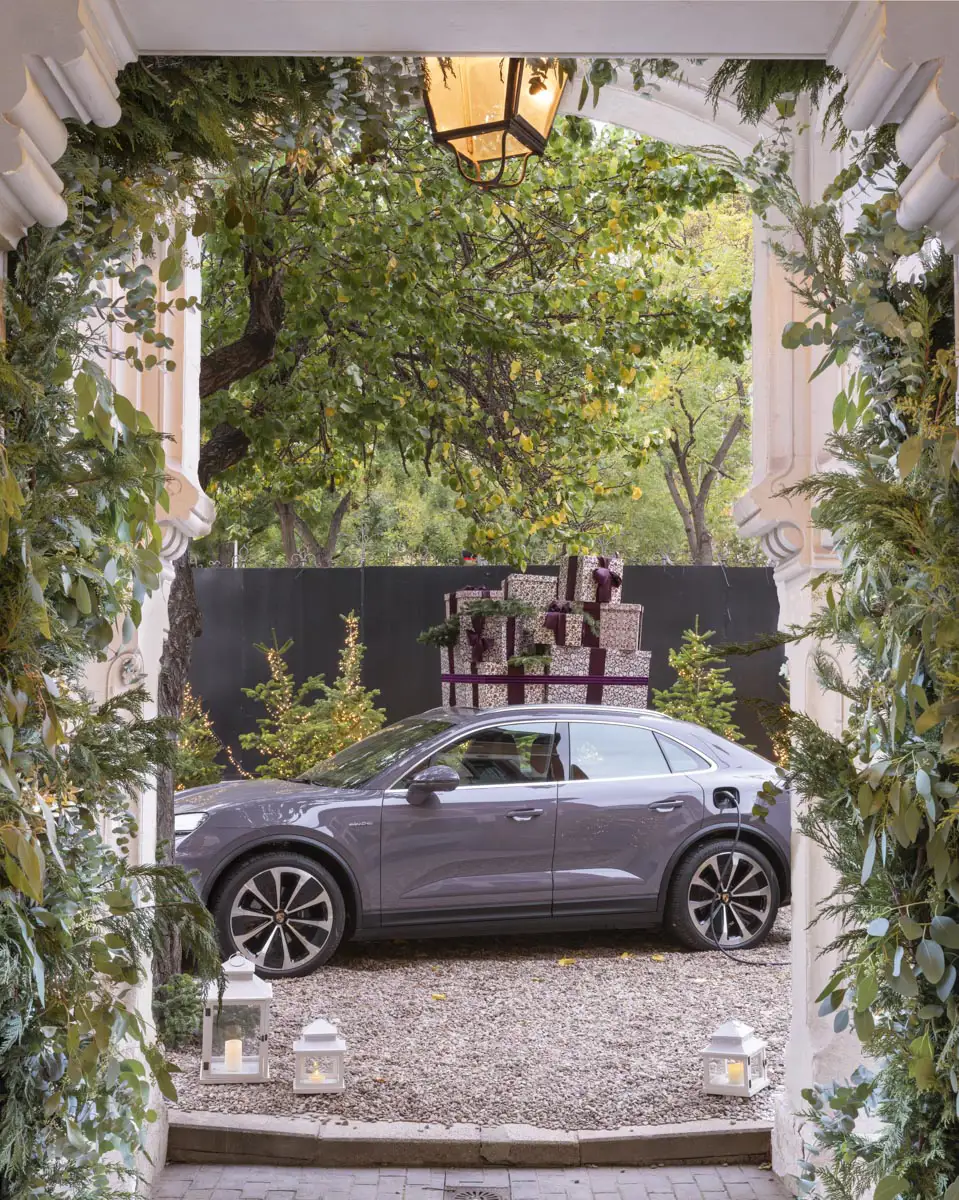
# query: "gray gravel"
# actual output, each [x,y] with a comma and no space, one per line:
[496,1031]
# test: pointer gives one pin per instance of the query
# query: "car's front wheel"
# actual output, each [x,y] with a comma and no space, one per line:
[283,911]
[725,894]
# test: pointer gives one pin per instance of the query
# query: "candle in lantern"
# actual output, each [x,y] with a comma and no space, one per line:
[233,1055]
[316,1075]
[736,1073]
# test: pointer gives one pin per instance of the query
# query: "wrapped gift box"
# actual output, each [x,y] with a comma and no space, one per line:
[591,578]
[594,675]
[537,590]
[611,626]
[483,639]
[490,684]
[457,602]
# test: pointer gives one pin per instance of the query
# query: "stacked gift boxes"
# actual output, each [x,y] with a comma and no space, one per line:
[575,640]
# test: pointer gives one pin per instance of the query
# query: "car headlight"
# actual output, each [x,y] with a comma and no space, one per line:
[184,823]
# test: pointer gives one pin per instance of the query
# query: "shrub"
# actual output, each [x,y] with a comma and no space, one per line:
[197,746]
[178,1010]
[298,732]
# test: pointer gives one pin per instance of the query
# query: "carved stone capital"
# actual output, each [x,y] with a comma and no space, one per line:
[58,59]
[190,515]
[901,62]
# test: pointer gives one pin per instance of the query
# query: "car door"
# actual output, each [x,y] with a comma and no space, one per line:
[484,850]
[620,815]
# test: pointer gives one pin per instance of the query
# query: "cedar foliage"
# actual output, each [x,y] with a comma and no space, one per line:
[702,693]
[197,746]
[309,722]
[882,798]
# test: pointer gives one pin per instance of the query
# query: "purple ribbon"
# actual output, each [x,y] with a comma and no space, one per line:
[555,620]
[480,643]
[625,680]
[606,579]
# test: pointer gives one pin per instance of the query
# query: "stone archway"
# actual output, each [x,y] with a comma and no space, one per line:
[60,59]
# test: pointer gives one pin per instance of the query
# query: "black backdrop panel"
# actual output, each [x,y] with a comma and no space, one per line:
[246,606]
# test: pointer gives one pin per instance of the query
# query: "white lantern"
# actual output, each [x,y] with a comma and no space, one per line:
[734,1062]
[236,1032]
[319,1058]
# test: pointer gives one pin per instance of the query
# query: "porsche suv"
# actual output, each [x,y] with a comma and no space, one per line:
[488,821]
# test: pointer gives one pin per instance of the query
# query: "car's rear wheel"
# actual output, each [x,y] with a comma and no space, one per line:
[724,893]
[283,911]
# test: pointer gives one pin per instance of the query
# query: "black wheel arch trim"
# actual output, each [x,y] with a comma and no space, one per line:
[712,833]
[314,849]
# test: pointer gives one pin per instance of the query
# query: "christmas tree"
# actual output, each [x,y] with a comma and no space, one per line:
[309,722]
[197,746]
[702,693]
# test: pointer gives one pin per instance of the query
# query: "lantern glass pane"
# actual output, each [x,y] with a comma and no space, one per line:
[236,1040]
[730,1072]
[320,1068]
[488,147]
[539,107]
[471,91]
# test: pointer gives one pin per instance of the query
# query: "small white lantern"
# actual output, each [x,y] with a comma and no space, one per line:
[734,1062]
[236,1032]
[319,1058]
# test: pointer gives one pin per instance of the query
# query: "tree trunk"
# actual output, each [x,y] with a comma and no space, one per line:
[185,625]
[257,344]
[287,530]
[323,554]
[224,554]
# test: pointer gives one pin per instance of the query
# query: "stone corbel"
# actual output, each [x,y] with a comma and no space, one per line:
[901,62]
[190,515]
[58,60]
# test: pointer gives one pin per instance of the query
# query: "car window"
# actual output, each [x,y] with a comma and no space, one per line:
[601,751]
[357,764]
[680,757]
[506,753]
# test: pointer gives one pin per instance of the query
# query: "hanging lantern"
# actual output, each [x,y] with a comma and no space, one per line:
[734,1062]
[319,1058]
[236,1031]
[491,110]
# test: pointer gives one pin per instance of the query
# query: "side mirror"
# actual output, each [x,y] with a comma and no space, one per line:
[430,781]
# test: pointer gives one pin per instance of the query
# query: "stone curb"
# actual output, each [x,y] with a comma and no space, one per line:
[208,1137]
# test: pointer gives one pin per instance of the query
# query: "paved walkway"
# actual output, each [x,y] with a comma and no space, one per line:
[584,1183]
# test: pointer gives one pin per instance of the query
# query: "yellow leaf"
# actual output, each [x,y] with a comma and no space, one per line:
[625,954]
[567,962]
[514,368]
[627,376]
[539,375]
[432,383]
[621,285]
[330,412]
[526,444]
[438,996]
[637,493]
[391,265]
[342,298]
[589,371]
[416,184]
[658,957]
[460,502]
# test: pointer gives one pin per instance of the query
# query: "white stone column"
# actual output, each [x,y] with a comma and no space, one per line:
[792,418]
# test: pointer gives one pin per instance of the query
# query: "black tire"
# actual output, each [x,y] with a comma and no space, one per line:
[746,921]
[297,944]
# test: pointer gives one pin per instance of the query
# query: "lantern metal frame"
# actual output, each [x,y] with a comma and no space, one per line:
[243,989]
[320,1039]
[736,1043]
[511,125]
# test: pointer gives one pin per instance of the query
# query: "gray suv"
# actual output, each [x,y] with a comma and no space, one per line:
[459,821]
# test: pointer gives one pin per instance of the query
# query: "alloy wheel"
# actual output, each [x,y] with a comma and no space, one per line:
[729,899]
[281,918]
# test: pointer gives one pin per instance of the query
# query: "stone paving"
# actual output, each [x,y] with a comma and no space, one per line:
[180,1182]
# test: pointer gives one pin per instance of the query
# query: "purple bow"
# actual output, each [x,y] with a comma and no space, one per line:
[606,580]
[479,642]
[555,618]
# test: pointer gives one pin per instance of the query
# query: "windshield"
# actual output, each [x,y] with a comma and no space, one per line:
[357,764]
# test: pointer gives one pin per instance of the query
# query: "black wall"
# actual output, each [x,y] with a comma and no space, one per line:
[243,607]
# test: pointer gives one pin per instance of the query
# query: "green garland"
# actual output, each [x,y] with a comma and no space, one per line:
[882,801]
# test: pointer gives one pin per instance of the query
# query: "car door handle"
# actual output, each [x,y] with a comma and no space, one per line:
[668,806]
[524,814]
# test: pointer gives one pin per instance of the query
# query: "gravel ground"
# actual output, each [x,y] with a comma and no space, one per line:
[500,1031]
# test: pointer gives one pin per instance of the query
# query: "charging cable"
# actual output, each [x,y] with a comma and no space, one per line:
[722,890]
